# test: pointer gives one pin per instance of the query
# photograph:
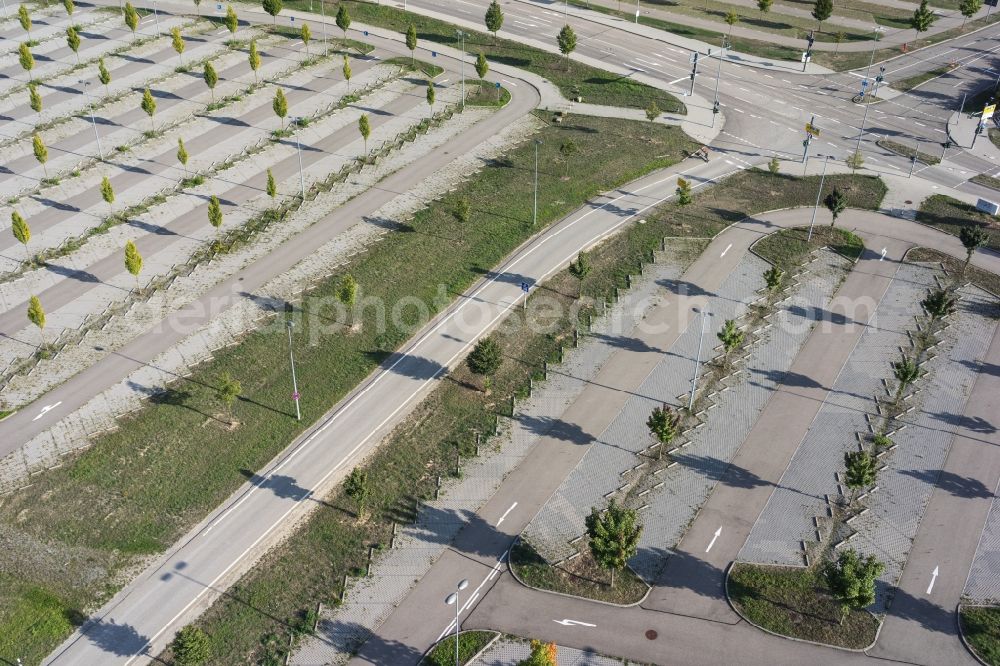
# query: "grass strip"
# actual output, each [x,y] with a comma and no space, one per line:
[911,82]
[427,69]
[795,602]
[952,266]
[470,643]
[986,181]
[950,215]
[580,577]
[981,627]
[573,78]
[907,151]
[485,93]
[788,248]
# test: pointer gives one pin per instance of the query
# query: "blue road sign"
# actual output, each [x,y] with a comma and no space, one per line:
[498,84]
[525,287]
[366,33]
[434,54]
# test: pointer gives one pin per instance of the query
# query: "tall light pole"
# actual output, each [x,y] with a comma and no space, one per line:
[93,120]
[461,34]
[534,216]
[295,384]
[818,195]
[156,18]
[453,600]
[322,13]
[697,364]
[302,180]
[718,75]
[864,118]
[636,11]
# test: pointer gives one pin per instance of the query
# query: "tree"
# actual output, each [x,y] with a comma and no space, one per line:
[131,18]
[25,18]
[906,371]
[683,191]
[774,166]
[482,67]
[34,98]
[346,69]
[542,654]
[773,277]
[836,203]
[149,106]
[70,7]
[280,105]
[215,214]
[732,18]
[581,267]
[938,304]
[232,21]
[861,469]
[306,36]
[178,41]
[272,7]
[347,291]
[26,59]
[227,391]
[36,315]
[566,149]
[839,37]
[108,193]
[923,17]
[411,42]
[182,155]
[365,128]
[764,5]
[21,231]
[969,8]
[731,337]
[356,487]
[103,75]
[494,19]
[73,41]
[972,238]
[272,187]
[190,647]
[855,161]
[343,19]
[652,111]
[197,6]
[663,424]
[851,580]
[614,535]
[485,359]
[41,152]
[254,58]
[822,10]
[463,210]
[211,78]
[566,39]
[430,95]
[133,261]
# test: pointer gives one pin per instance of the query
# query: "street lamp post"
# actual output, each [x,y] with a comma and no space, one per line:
[93,120]
[818,195]
[718,75]
[322,13]
[453,600]
[534,215]
[697,364]
[864,118]
[298,145]
[156,18]
[636,11]
[461,34]
[295,384]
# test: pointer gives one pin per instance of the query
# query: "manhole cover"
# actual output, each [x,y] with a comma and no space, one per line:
[651,634]
[908,202]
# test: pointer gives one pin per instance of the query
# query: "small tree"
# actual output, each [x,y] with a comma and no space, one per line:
[36,315]
[839,37]
[494,19]
[26,59]
[211,78]
[25,19]
[463,210]
[347,291]
[365,128]
[73,41]
[182,155]
[663,424]
[972,237]
[343,19]
[567,149]
[969,8]
[149,106]
[411,42]
[773,277]
[346,69]
[683,191]
[227,391]
[356,487]
[938,304]
[70,7]
[836,203]
[103,75]
[861,469]
[190,647]
[732,18]
[41,152]
[232,20]
[731,337]
[306,35]
[108,193]
[906,371]
[254,58]
[430,96]
[856,160]
[272,7]
[482,66]
[34,98]
[272,187]
[652,111]
[280,106]
[923,17]
[485,359]
[614,536]
[131,18]
[21,231]
[566,39]
[215,214]
[851,580]
[774,166]
[133,261]
[822,10]
[764,5]
[178,43]
[581,267]
[542,654]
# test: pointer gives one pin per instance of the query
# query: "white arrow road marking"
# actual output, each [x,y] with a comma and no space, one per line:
[573,623]
[726,250]
[934,575]
[505,513]
[883,254]
[46,409]
[714,537]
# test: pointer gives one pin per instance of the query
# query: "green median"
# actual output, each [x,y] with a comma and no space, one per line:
[981,630]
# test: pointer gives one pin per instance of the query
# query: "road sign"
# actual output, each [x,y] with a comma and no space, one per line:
[525,287]
[295,396]
[812,129]
[434,54]
[498,84]
[988,111]
[864,84]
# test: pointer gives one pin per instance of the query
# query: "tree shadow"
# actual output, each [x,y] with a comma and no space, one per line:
[545,426]
[972,423]
[626,343]
[58,205]
[121,640]
[926,613]
[283,486]
[952,483]
[983,367]
[684,288]
[354,638]
[788,378]
[414,367]
[73,273]
[683,571]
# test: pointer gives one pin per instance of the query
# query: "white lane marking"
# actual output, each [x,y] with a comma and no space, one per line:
[574,623]
[505,513]
[934,575]
[510,83]
[726,250]
[717,532]
[46,409]
[883,254]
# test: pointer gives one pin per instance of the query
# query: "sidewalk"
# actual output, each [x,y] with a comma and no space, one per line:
[962,131]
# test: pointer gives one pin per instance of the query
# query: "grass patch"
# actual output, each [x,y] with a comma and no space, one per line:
[795,602]
[580,577]
[911,82]
[470,643]
[788,248]
[429,70]
[986,181]
[981,627]
[982,279]
[572,78]
[485,93]
[950,215]
[907,151]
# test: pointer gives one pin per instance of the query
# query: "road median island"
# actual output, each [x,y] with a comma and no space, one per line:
[950,215]
[980,631]
[907,151]
[471,644]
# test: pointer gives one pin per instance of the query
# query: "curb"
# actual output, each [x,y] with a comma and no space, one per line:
[473,658]
[961,632]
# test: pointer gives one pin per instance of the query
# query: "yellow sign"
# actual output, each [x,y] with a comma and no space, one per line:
[812,130]
[988,111]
